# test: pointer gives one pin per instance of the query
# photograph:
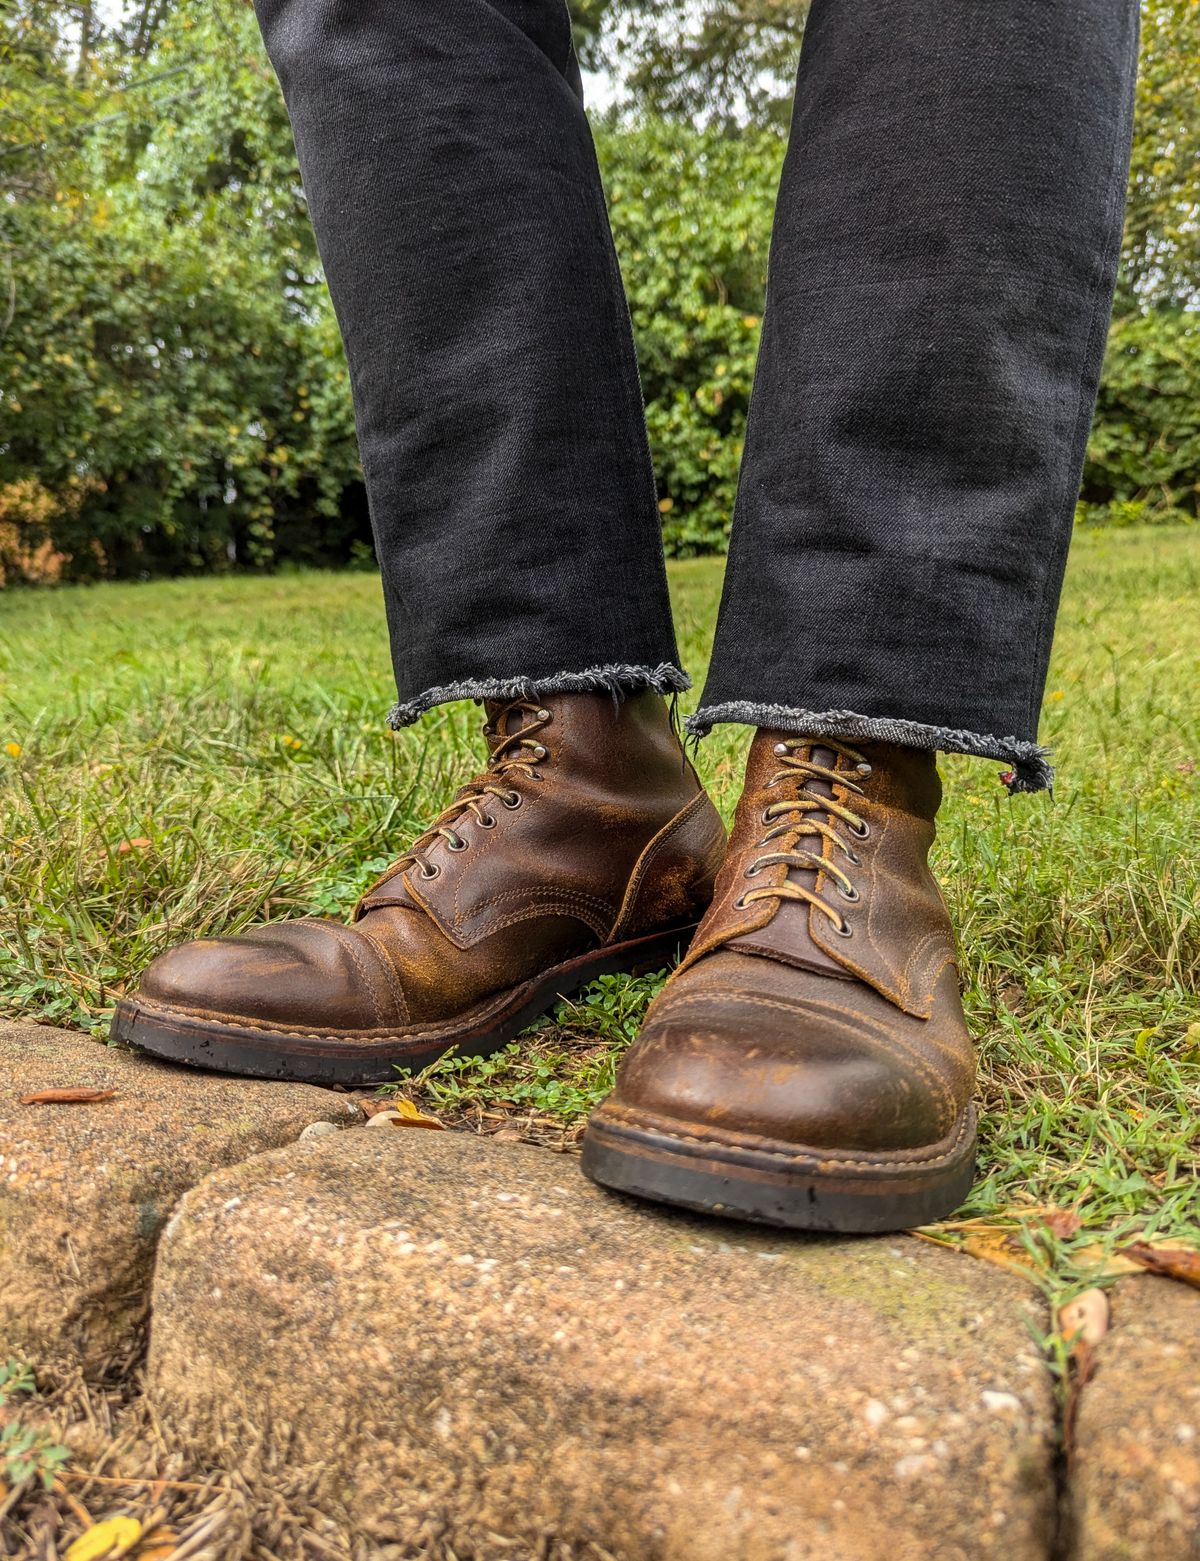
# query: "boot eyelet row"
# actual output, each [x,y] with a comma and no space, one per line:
[428,870]
[461,846]
[487,822]
[513,801]
[851,894]
[844,931]
[861,832]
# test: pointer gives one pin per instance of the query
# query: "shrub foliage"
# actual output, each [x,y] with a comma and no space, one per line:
[173,394]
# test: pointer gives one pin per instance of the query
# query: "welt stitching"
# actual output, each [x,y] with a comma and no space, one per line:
[884,1163]
[382,1033]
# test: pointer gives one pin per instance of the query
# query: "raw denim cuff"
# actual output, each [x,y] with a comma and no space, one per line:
[1030,764]
[615,679]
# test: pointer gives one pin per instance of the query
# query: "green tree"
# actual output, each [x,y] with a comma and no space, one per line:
[720,63]
[1161,257]
[174,382]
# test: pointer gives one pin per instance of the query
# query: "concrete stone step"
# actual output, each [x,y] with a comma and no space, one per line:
[468,1342]
[85,1190]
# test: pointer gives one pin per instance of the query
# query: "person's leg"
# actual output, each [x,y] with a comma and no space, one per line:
[941,277]
[458,208]
[453,188]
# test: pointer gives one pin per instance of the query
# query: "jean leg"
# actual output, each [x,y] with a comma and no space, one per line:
[941,277]
[453,188]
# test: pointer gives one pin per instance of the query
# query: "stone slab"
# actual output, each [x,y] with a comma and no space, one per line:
[85,1190]
[1135,1474]
[466,1347]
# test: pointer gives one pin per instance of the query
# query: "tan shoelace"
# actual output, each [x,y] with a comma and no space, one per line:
[797,816]
[514,753]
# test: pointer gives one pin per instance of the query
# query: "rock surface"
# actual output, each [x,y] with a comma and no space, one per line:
[1135,1476]
[463,1348]
[85,1190]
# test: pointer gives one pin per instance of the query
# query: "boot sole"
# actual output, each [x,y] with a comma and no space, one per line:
[354,1058]
[776,1183]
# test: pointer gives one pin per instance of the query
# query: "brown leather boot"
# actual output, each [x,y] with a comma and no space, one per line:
[808,1064]
[587,845]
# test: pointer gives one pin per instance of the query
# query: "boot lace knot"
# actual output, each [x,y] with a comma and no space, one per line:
[810,814]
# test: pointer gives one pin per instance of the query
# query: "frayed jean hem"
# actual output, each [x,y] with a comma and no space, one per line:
[615,679]
[1031,768]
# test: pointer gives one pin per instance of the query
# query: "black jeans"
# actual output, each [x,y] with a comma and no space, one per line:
[941,276]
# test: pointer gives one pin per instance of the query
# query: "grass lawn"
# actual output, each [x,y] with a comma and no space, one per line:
[181,758]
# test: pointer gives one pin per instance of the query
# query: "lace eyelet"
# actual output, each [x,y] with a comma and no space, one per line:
[844,931]
[740,903]
[853,858]
[428,870]
[766,818]
[862,833]
[486,822]
[513,800]
[851,894]
[753,870]
[457,844]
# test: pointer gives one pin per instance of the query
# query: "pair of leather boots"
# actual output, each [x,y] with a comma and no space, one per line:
[807,1064]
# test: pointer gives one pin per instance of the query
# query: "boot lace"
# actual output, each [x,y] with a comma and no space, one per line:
[811,814]
[512,753]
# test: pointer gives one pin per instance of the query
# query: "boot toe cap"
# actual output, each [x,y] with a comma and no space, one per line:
[824,1067]
[306,973]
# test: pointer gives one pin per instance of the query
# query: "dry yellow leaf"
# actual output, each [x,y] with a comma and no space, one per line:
[1001,1245]
[410,1116]
[105,1541]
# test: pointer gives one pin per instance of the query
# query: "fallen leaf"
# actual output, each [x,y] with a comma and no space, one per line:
[1063,1223]
[407,1115]
[372,1108]
[67,1097]
[111,1538]
[997,1244]
[1083,1321]
[138,843]
[1173,1262]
